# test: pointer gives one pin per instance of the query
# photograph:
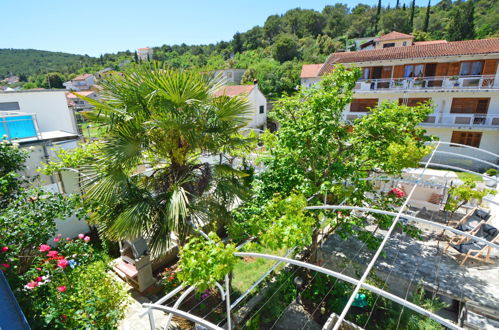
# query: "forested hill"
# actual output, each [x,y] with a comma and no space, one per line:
[29,62]
[274,51]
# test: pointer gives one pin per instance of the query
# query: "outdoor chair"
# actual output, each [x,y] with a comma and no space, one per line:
[473,219]
[475,249]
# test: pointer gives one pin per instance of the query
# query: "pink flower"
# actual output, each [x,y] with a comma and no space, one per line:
[32,285]
[5,265]
[61,288]
[57,239]
[81,236]
[44,248]
[63,263]
[38,268]
[52,254]
[5,249]
[39,279]
[87,239]
[68,239]
[59,235]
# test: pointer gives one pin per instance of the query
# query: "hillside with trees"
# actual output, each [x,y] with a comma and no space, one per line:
[274,52]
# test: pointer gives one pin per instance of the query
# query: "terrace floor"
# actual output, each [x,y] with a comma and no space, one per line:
[407,262]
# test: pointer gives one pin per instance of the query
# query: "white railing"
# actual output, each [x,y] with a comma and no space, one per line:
[462,119]
[418,83]
[451,120]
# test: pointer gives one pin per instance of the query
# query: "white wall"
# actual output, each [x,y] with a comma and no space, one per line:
[307,82]
[257,99]
[50,107]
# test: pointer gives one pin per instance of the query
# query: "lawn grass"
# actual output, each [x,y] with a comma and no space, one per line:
[248,270]
[469,176]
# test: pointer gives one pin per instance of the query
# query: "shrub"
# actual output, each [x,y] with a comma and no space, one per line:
[492,172]
[67,287]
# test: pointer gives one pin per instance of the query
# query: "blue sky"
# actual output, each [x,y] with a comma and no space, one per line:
[101,26]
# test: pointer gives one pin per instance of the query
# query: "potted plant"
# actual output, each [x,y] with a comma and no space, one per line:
[491,173]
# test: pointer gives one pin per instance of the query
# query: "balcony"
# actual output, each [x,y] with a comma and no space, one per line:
[446,120]
[429,83]
[18,125]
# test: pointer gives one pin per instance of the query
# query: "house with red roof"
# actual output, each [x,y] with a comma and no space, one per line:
[81,82]
[257,119]
[460,79]
[145,54]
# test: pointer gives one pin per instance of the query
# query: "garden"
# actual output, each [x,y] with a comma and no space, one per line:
[145,178]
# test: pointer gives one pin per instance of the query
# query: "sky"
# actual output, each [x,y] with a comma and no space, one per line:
[95,27]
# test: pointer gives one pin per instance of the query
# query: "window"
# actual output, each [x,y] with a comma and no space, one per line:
[388,45]
[365,73]
[404,43]
[470,105]
[9,106]
[468,138]
[262,109]
[471,68]
[362,105]
[415,70]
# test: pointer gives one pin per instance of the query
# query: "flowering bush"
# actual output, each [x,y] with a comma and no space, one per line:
[170,279]
[66,286]
[396,192]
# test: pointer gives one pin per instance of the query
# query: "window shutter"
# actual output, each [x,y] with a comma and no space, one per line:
[453,69]
[490,67]
[442,69]
[398,71]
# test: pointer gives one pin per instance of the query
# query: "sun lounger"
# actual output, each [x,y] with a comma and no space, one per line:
[475,249]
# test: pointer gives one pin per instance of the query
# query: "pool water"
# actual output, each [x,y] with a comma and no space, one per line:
[17,127]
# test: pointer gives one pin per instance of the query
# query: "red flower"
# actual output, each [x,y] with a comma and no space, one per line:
[32,285]
[61,288]
[57,239]
[5,249]
[44,248]
[38,268]
[52,253]
[5,265]
[39,279]
[62,263]
[397,192]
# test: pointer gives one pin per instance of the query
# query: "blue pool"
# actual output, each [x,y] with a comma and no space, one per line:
[17,127]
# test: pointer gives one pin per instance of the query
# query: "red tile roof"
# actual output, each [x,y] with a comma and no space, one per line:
[394,35]
[467,47]
[82,77]
[146,48]
[234,90]
[430,42]
[310,70]
[84,93]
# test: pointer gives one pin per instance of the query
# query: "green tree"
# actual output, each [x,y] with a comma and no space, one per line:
[285,48]
[378,15]
[54,80]
[166,118]
[427,17]
[273,27]
[395,20]
[336,19]
[461,25]
[413,10]
[314,148]
[237,43]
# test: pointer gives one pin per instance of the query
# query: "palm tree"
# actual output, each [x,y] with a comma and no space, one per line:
[164,119]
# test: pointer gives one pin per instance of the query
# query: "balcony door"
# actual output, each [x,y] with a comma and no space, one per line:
[430,69]
[377,72]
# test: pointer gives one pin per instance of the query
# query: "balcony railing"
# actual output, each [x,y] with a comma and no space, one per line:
[425,83]
[446,120]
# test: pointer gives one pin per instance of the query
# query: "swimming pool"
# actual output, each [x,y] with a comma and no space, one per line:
[17,127]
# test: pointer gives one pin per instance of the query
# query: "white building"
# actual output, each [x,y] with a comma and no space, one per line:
[310,74]
[256,99]
[80,83]
[41,121]
[145,54]
[460,78]
[230,76]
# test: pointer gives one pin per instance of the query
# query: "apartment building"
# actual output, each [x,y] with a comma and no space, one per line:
[460,78]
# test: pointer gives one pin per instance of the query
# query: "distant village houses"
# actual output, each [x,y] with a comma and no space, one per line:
[81,82]
[145,54]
